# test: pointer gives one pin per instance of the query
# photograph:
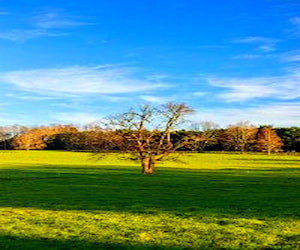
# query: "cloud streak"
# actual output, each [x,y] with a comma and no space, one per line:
[295,21]
[285,87]
[80,81]
[263,44]
[155,99]
[291,56]
[19,35]
[277,114]
[45,24]
[56,20]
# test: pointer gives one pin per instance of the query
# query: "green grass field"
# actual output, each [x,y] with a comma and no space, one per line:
[67,200]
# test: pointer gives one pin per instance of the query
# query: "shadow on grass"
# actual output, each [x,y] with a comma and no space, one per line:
[237,192]
[9,242]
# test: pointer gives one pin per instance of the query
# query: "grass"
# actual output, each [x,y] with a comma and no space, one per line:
[68,200]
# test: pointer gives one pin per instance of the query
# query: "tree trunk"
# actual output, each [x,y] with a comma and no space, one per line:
[147,165]
[269,149]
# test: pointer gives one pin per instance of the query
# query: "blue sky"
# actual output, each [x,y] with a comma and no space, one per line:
[79,61]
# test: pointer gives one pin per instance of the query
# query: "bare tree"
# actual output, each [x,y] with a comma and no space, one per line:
[147,132]
[3,138]
[207,133]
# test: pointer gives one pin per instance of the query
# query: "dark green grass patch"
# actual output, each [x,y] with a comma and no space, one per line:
[52,200]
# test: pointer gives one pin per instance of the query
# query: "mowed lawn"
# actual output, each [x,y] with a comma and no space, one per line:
[68,200]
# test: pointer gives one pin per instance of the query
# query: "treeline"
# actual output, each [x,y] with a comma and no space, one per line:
[206,136]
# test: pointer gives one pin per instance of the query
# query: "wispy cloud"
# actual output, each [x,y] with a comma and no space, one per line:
[20,35]
[200,93]
[44,24]
[267,47]
[291,56]
[253,39]
[81,80]
[277,114]
[285,87]
[28,97]
[263,44]
[295,21]
[155,99]
[56,20]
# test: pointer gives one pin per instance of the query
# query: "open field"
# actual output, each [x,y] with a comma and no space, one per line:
[67,200]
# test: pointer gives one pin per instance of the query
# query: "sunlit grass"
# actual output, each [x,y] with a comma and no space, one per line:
[155,231]
[68,200]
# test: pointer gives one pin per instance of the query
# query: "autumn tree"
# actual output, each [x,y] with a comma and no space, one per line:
[7,133]
[268,140]
[239,136]
[39,137]
[147,132]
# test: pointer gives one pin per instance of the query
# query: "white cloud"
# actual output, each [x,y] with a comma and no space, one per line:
[42,25]
[200,94]
[19,35]
[155,99]
[115,98]
[253,39]
[285,87]
[267,48]
[28,97]
[291,56]
[263,44]
[295,26]
[277,114]
[80,80]
[56,20]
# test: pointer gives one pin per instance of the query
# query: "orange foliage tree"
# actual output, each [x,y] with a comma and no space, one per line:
[37,138]
[239,136]
[268,140]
